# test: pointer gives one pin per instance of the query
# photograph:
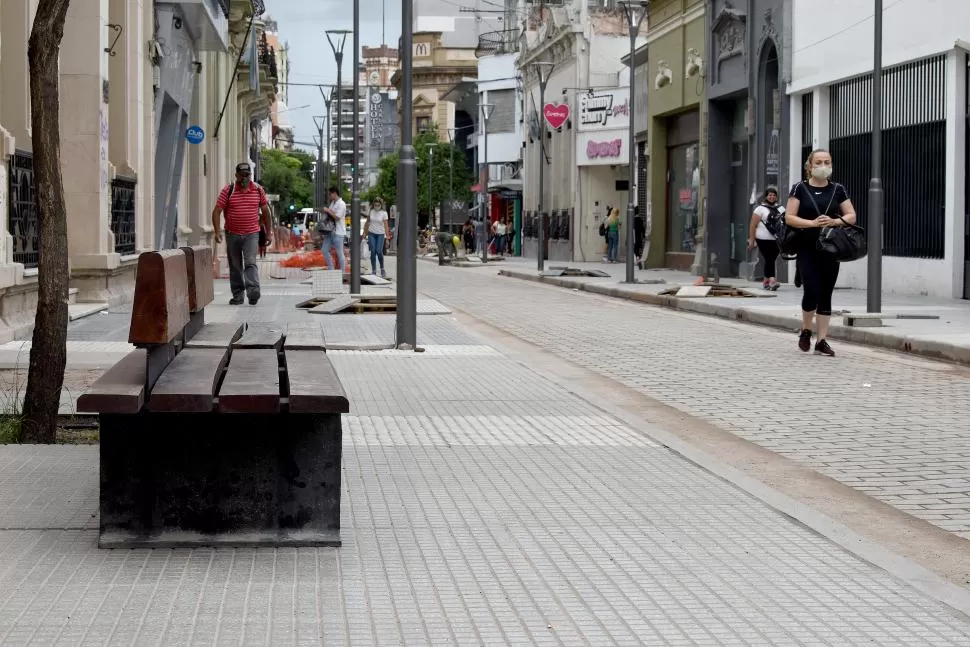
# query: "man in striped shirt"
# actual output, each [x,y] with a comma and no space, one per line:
[243,203]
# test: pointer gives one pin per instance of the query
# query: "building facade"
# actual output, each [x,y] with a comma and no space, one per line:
[677,138]
[586,157]
[135,77]
[925,149]
[436,70]
[748,119]
[380,64]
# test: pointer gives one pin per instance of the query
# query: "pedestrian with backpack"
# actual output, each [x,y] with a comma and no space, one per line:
[768,216]
[245,205]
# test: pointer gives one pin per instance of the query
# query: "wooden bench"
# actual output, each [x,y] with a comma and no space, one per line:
[216,434]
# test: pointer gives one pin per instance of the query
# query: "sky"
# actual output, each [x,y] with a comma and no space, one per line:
[302,24]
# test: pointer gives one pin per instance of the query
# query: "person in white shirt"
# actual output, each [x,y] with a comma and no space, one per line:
[378,230]
[499,229]
[760,237]
[334,229]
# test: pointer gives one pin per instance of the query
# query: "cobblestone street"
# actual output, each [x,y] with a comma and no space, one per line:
[483,505]
[891,426]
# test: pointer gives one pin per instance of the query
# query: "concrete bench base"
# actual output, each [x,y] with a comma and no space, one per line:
[217,479]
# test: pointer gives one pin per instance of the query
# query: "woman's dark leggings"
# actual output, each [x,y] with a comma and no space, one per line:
[769,252]
[819,272]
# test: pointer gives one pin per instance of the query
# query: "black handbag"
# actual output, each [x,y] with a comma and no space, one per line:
[846,243]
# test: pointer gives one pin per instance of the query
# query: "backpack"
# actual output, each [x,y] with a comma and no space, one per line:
[784,235]
[603,228]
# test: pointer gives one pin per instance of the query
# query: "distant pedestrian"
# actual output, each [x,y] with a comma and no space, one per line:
[468,236]
[639,236]
[333,228]
[613,237]
[760,237]
[244,205]
[378,231]
[499,229]
[812,205]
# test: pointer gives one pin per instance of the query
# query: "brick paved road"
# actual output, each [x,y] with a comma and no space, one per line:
[483,506]
[893,427]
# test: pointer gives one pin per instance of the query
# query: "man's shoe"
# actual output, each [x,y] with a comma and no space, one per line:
[805,341]
[236,301]
[822,348]
[253,300]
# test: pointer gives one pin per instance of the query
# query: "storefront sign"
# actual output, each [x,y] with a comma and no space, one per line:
[605,109]
[609,148]
[602,148]
[556,114]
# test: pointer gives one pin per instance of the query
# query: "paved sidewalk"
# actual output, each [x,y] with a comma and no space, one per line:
[947,337]
[890,426]
[482,506]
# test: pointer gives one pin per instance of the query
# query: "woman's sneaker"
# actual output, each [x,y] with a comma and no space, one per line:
[822,348]
[805,341]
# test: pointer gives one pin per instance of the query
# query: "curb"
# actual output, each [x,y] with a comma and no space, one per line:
[864,336]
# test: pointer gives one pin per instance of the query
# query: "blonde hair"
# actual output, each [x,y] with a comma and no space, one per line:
[811,158]
[614,215]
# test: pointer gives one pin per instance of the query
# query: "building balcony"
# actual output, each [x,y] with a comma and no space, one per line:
[208,22]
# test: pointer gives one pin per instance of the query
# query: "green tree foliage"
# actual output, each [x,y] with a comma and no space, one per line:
[424,143]
[288,175]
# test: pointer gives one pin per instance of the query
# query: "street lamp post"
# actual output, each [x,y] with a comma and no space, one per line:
[318,187]
[486,109]
[635,13]
[337,39]
[355,168]
[430,174]
[406,325]
[543,71]
[327,101]
[874,287]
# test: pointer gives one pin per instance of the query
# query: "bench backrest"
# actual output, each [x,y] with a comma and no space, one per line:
[198,261]
[161,305]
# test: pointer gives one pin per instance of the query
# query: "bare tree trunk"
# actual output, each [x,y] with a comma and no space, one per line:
[48,354]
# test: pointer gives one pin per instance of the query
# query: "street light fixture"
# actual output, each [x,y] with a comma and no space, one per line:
[635,13]
[543,70]
[355,244]
[486,111]
[874,279]
[337,39]
[406,325]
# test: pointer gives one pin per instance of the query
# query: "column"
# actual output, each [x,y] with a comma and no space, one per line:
[85,144]
[956,170]
[143,103]
[820,123]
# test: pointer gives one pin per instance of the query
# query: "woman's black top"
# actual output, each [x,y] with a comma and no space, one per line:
[828,198]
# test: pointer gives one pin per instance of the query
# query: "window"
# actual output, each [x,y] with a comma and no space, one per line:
[424,124]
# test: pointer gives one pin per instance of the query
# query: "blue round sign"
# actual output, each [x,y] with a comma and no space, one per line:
[195,134]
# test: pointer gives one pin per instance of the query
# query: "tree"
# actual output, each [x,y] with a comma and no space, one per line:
[48,352]
[287,175]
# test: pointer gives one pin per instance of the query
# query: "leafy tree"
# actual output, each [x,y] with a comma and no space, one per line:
[441,175]
[287,175]
[48,353]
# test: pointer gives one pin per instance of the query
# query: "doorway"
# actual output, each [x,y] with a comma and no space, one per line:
[740,217]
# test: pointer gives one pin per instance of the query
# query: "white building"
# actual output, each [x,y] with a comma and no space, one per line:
[587,157]
[925,156]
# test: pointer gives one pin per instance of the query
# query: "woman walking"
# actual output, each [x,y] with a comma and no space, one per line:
[760,237]
[613,237]
[812,205]
[378,230]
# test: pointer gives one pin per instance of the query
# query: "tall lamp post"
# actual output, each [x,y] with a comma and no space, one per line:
[327,101]
[874,287]
[355,167]
[430,173]
[486,110]
[406,325]
[319,188]
[543,70]
[635,13]
[337,39]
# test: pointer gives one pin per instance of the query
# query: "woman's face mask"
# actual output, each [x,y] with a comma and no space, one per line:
[822,172]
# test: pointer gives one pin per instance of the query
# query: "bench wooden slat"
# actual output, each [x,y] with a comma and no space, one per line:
[314,385]
[161,304]
[120,389]
[189,383]
[334,306]
[252,382]
[198,260]
[261,335]
[304,335]
[216,335]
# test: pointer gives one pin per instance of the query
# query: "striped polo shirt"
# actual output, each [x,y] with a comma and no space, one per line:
[242,210]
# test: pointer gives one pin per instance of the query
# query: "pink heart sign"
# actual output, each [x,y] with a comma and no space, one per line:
[556,114]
